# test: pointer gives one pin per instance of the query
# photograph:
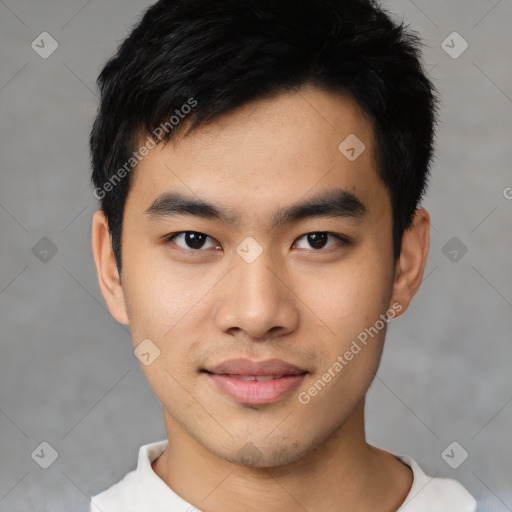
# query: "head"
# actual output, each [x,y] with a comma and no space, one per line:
[260,167]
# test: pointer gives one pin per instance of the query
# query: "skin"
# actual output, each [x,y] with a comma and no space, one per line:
[294,302]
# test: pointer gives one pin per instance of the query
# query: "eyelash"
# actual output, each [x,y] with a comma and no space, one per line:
[343,240]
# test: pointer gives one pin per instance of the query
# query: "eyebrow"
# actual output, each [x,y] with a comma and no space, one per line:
[336,203]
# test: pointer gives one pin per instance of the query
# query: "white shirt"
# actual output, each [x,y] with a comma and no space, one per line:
[142,490]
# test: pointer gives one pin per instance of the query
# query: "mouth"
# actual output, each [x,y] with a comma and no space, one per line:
[255,383]
[259,378]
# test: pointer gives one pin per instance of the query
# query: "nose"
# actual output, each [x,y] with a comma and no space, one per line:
[256,298]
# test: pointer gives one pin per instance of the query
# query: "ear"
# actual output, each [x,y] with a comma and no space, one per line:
[413,258]
[106,267]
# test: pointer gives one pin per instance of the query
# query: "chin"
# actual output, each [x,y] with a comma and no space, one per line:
[263,453]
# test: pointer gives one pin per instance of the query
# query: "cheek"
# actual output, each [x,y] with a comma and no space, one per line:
[161,295]
[350,302]
[346,297]
[170,305]
[164,307]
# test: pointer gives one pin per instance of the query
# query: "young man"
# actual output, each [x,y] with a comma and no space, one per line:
[260,166]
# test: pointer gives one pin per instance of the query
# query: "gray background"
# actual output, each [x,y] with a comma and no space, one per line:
[67,371]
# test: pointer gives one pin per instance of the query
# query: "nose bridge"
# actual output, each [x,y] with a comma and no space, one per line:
[255,298]
[257,286]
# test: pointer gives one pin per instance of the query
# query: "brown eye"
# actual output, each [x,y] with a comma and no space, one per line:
[318,240]
[192,240]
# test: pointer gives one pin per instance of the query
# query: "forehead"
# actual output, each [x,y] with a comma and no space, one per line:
[267,154]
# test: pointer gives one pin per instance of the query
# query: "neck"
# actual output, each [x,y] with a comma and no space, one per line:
[343,474]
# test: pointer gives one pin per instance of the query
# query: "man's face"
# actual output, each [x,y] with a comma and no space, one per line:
[254,288]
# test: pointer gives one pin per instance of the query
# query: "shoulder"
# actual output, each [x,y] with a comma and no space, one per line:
[430,494]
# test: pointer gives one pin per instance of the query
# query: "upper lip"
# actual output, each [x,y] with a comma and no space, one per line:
[243,366]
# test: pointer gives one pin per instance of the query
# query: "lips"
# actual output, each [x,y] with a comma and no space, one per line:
[259,378]
[255,383]
[248,368]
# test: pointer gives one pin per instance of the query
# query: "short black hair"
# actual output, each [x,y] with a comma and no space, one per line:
[199,59]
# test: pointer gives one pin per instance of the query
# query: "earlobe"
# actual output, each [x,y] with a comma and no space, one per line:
[106,267]
[413,258]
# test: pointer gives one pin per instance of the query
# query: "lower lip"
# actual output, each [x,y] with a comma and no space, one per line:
[253,392]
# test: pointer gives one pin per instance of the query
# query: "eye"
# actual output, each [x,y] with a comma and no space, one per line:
[192,240]
[319,240]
